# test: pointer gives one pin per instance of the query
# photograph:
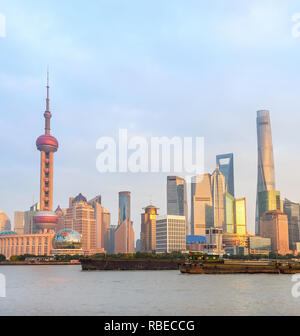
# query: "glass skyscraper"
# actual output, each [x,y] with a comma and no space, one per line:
[229,213]
[293,212]
[124,207]
[268,200]
[202,215]
[235,215]
[266,174]
[226,165]
[177,198]
[218,192]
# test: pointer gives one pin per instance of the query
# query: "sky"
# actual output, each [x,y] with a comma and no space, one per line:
[157,68]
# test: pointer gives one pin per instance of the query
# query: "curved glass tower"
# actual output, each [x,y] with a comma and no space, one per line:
[266,174]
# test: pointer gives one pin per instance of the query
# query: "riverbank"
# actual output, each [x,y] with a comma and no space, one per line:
[27,263]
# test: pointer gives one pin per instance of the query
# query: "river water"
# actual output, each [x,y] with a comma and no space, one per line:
[66,290]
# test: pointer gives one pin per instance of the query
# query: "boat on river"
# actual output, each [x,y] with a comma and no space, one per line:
[212,264]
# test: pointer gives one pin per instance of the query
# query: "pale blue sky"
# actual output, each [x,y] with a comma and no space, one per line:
[158,68]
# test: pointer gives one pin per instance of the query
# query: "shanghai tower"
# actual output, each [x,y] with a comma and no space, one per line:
[266,174]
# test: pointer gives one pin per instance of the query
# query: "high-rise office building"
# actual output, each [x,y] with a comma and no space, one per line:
[266,174]
[201,204]
[124,233]
[29,225]
[240,216]
[229,213]
[170,234]
[218,192]
[110,241]
[177,198]
[268,200]
[102,217]
[293,212]
[90,220]
[60,213]
[148,229]
[274,225]
[5,224]
[226,165]
[46,219]
[19,222]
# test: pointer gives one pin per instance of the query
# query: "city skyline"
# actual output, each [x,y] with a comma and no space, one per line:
[87,102]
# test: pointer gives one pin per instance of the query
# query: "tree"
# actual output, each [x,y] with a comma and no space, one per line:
[2,258]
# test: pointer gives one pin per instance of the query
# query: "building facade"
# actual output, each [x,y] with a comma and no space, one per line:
[177,204]
[19,222]
[214,241]
[218,192]
[195,243]
[226,165]
[259,245]
[235,243]
[89,219]
[148,229]
[170,234]
[266,173]
[124,238]
[5,223]
[292,210]
[12,244]
[201,205]
[268,200]
[274,225]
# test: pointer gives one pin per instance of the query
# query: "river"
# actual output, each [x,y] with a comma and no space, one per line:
[66,290]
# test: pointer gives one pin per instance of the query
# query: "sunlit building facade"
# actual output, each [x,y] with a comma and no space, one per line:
[12,244]
[90,220]
[202,215]
[5,223]
[148,229]
[218,192]
[268,200]
[19,222]
[229,213]
[274,225]
[170,234]
[292,210]
[124,237]
[235,243]
[259,245]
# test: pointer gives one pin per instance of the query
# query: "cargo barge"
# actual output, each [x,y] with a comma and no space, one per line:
[94,264]
[206,264]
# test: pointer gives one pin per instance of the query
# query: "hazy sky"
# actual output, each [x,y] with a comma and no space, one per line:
[157,68]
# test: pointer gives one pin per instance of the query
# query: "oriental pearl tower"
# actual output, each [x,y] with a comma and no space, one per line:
[46,219]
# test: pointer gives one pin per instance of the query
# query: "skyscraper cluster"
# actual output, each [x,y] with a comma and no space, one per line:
[216,222]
